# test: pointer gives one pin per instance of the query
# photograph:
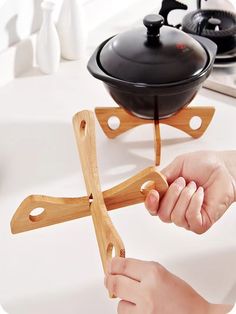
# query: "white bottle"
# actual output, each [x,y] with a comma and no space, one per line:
[48,52]
[71,30]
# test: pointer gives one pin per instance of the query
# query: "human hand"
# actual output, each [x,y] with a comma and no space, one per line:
[202,187]
[147,287]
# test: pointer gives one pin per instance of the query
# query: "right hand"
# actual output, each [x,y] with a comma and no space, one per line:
[147,287]
[201,189]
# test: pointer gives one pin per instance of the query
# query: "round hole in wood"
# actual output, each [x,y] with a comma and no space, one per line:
[195,123]
[83,127]
[147,186]
[113,123]
[37,214]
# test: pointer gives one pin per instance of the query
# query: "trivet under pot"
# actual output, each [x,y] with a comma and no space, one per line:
[181,120]
[153,72]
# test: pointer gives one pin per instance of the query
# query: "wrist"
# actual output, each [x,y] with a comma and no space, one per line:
[219,308]
[229,159]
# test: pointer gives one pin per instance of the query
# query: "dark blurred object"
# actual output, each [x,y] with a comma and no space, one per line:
[168,6]
[217,25]
[224,5]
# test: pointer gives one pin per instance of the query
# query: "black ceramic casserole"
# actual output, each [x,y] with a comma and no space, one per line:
[153,71]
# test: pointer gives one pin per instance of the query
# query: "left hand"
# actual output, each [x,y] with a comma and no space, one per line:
[147,287]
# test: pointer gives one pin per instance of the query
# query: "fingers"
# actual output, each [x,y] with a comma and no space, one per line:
[125,307]
[178,215]
[193,213]
[132,268]
[174,169]
[206,221]
[170,198]
[123,287]
[152,202]
[182,204]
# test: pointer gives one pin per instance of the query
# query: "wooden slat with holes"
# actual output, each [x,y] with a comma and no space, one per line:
[107,236]
[59,210]
[181,120]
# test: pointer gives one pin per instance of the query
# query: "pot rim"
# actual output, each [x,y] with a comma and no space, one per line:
[95,68]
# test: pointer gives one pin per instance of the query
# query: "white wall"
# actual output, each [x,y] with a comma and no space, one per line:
[20,18]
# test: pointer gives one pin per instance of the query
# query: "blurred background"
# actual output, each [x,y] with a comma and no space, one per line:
[19,19]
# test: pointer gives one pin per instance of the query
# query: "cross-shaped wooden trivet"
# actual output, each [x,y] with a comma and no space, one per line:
[95,203]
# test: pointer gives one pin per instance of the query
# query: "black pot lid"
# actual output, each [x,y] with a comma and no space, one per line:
[154,54]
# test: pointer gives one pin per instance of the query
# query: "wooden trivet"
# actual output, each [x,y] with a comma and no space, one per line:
[181,120]
[95,203]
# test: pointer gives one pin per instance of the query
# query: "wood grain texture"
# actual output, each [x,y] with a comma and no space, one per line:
[127,121]
[107,236]
[59,209]
[180,120]
[56,210]
[157,142]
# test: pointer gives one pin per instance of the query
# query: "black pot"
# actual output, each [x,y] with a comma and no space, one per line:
[154,72]
[216,25]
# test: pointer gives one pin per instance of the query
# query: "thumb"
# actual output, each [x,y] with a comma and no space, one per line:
[174,169]
[152,202]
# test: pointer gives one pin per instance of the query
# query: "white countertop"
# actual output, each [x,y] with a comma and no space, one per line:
[58,269]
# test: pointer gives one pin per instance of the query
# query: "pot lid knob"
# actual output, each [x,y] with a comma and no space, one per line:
[153,22]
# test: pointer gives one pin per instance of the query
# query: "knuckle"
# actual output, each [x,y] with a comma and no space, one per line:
[165,218]
[178,159]
[190,214]
[109,282]
[198,231]
[177,220]
[164,215]
[155,269]
[113,285]
[180,223]
[123,265]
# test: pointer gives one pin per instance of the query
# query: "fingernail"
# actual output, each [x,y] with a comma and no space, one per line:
[152,197]
[180,182]
[192,185]
[200,190]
